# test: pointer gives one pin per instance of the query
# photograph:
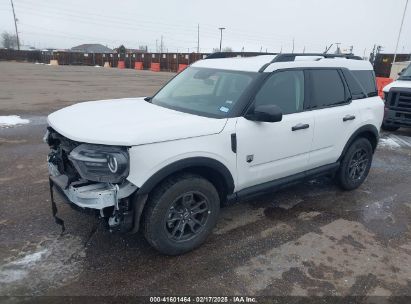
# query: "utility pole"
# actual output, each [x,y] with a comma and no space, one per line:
[399,33]
[221,35]
[161,44]
[15,25]
[198,38]
[293,45]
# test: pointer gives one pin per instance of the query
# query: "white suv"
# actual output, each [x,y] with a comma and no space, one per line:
[224,129]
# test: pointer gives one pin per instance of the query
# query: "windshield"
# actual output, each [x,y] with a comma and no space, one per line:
[406,75]
[203,91]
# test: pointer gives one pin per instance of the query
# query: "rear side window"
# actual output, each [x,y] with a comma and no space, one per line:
[283,89]
[326,88]
[367,80]
[354,86]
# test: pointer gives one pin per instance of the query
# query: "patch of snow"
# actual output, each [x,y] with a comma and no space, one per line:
[12,120]
[52,262]
[30,258]
[389,143]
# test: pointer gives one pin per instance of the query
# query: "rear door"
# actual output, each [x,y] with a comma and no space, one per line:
[336,115]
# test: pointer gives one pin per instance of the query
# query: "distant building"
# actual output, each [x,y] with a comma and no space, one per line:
[91,48]
[24,47]
[383,63]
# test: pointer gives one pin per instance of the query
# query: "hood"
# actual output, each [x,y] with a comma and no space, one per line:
[129,122]
[398,84]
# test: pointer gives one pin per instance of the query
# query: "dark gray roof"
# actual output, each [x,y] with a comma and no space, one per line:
[92,48]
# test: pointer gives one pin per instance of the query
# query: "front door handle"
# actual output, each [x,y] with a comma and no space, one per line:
[300,126]
[349,117]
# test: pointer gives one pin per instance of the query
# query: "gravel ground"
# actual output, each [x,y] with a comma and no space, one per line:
[310,239]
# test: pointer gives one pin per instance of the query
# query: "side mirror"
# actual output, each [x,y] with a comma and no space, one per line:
[402,71]
[265,113]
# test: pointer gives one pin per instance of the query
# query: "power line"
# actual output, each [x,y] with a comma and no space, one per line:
[15,25]
[221,35]
[198,38]
[399,33]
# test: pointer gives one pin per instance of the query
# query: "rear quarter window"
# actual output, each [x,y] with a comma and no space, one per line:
[367,81]
[356,89]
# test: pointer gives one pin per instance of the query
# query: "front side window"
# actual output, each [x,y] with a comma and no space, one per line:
[203,91]
[284,89]
[326,88]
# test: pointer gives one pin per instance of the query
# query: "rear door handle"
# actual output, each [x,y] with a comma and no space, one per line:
[300,126]
[349,117]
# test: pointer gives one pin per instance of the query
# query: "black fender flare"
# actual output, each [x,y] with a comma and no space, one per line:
[186,163]
[140,197]
[366,129]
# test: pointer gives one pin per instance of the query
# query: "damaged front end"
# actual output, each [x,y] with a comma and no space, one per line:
[92,178]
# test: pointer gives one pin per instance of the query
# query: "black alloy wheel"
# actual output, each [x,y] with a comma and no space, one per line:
[355,164]
[181,213]
[187,216]
[358,164]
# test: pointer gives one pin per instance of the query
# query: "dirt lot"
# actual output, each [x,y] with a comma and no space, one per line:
[311,239]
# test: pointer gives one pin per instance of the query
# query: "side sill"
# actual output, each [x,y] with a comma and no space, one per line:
[281,183]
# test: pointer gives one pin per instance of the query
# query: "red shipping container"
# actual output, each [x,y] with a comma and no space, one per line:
[121,64]
[138,65]
[155,67]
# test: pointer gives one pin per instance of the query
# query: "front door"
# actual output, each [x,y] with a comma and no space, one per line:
[268,151]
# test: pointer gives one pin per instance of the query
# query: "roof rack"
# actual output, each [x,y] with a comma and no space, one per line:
[285,57]
[235,54]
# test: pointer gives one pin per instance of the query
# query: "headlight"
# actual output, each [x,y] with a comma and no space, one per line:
[101,163]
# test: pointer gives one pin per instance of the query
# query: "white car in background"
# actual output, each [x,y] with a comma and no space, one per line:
[224,129]
[397,97]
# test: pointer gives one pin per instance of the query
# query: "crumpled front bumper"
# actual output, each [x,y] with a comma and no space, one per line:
[90,195]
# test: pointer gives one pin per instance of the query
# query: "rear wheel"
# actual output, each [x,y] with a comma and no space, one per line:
[355,164]
[389,128]
[181,213]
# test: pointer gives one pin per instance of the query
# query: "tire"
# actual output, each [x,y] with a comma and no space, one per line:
[389,128]
[176,221]
[355,164]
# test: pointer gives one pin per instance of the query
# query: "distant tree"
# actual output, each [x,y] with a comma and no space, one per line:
[121,49]
[8,41]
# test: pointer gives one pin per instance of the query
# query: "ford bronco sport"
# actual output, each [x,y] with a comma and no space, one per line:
[223,129]
[397,97]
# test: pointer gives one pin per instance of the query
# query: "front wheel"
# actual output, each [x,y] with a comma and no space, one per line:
[181,213]
[389,128]
[355,164]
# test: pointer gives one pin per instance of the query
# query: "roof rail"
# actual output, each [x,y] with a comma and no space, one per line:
[235,54]
[285,57]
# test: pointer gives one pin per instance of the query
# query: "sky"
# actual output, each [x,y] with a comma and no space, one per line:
[253,25]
